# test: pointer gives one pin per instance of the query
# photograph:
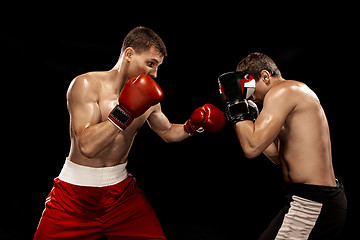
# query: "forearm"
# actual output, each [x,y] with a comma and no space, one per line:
[175,133]
[244,131]
[94,139]
[253,141]
[272,152]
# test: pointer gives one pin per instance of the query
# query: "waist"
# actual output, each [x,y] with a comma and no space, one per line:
[92,177]
[322,194]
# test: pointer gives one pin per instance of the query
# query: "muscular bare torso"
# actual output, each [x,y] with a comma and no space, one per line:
[305,147]
[103,98]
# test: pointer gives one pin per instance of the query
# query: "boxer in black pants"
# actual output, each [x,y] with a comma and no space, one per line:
[293,132]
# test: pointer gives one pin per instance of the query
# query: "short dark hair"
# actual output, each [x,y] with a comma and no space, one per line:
[254,63]
[141,39]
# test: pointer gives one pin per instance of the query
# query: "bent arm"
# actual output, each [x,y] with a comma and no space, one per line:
[252,142]
[272,152]
[85,116]
[259,136]
[93,139]
[160,124]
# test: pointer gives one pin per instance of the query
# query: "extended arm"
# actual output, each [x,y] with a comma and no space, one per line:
[206,118]
[160,124]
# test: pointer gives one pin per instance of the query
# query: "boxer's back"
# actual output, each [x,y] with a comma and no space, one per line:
[305,147]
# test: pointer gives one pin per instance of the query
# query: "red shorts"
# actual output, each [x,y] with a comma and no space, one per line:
[118,211]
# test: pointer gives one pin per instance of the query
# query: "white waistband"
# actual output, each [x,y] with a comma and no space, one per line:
[92,177]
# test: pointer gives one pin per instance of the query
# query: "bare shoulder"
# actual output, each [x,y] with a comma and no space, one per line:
[284,97]
[290,96]
[84,87]
[291,90]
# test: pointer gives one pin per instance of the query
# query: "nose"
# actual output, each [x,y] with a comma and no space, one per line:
[153,73]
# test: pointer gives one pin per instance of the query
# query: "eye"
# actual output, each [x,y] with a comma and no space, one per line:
[150,64]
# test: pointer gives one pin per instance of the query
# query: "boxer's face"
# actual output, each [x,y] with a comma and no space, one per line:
[146,62]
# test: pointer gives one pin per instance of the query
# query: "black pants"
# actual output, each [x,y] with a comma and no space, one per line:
[310,212]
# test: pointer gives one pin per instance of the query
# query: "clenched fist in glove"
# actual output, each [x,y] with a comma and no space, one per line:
[235,89]
[138,94]
[206,118]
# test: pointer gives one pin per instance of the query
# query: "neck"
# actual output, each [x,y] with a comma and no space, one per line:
[278,81]
[119,77]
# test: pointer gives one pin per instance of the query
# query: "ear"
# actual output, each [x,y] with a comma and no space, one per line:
[265,76]
[129,53]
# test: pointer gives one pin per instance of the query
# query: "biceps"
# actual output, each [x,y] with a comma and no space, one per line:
[84,116]
[267,128]
[158,122]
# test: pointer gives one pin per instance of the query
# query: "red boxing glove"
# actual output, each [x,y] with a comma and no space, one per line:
[137,95]
[208,118]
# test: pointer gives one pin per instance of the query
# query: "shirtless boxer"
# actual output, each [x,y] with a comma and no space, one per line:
[94,195]
[293,132]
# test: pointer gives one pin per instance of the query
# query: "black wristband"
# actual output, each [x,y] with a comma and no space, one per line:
[120,117]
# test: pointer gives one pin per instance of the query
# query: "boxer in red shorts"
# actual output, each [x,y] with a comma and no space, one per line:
[94,195]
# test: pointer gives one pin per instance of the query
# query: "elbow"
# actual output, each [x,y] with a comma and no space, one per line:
[167,140]
[87,151]
[251,152]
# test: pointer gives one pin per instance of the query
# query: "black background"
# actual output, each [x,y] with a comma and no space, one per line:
[203,187]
